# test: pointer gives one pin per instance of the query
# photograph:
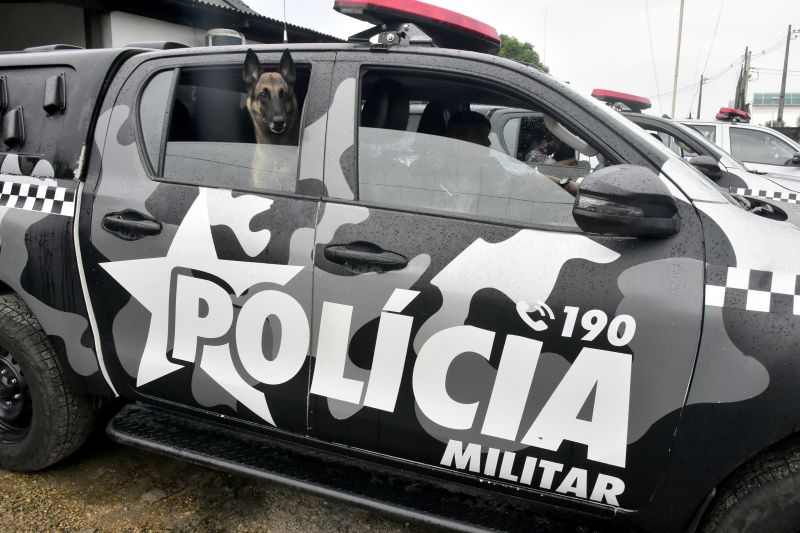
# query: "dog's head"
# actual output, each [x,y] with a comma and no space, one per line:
[270,95]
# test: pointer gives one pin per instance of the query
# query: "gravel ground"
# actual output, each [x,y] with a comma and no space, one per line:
[109,487]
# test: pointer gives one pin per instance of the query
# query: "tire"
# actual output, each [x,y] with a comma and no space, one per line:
[42,417]
[764,495]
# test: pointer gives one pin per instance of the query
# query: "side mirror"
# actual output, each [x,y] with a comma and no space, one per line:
[707,165]
[796,158]
[626,200]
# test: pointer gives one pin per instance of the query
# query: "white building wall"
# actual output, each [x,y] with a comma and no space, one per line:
[125,28]
[761,114]
[122,28]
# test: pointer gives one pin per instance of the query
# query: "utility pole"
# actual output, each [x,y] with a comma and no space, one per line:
[700,96]
[746,80]
[677,62]
[740,100]
[783,79]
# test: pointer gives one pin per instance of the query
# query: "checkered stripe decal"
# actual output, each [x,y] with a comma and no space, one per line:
[753,290]
[790,197]
[33,197]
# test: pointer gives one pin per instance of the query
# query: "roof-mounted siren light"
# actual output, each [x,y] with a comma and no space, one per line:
[622,101]
[393,20]
[223,37]
[730,114]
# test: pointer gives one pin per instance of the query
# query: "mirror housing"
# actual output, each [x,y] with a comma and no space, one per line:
[626,200]
[707,165]
[796,158]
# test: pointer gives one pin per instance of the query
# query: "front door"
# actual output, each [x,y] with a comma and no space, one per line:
[764,151]
[464,321]
[200,239]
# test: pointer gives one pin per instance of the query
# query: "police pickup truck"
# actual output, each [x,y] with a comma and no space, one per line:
[285,277]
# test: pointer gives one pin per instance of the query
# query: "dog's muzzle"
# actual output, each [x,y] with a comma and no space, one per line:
[277,127]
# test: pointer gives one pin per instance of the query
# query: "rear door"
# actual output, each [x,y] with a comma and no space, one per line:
[464,322]
[199,242]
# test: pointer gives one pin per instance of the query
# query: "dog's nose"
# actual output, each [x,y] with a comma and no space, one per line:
[279,122]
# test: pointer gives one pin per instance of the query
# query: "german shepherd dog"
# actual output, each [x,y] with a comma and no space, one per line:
[271,100]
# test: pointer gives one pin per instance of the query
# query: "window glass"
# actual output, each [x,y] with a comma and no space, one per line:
[753,146]
[434,143]
[212,136]
[152,112]
[511,135]
[673,143]
[709,132]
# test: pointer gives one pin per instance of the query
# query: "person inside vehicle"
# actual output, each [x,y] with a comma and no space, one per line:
[547,150]
[470,126]
[562,153]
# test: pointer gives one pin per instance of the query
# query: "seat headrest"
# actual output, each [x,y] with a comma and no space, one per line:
[386,106]
[433,120]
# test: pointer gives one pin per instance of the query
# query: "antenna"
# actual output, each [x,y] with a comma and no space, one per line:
[285,34]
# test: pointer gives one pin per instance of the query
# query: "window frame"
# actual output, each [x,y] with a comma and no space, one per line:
[315,60]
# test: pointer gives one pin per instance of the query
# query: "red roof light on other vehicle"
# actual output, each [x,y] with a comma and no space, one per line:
[732,114]
[633,102]
[440,24]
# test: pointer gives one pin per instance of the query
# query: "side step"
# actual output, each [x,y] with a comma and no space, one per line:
[356,481]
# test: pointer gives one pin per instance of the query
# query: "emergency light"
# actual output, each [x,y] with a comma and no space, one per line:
[446,29]
[631,102]
[730,114]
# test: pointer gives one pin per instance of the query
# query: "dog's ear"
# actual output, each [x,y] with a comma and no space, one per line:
[287,67]
[251,70]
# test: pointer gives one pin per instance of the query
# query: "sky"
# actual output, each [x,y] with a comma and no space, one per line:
[606,44]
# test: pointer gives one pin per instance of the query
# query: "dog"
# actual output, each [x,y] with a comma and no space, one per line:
[271,100]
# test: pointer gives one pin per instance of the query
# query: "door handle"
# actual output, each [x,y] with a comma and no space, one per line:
[131,225]
[364,257]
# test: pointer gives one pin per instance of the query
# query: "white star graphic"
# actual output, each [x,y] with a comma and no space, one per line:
[148,280]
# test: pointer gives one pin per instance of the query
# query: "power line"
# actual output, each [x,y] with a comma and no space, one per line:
[714,36]
[708,56]
[652,53]
[736,63]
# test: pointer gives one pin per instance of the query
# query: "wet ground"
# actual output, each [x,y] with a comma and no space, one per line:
[109,487]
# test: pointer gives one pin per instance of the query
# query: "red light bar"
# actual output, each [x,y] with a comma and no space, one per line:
[446,28]
[732,114]
[633,102]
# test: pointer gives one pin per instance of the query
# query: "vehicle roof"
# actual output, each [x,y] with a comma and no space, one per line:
[695,137]
[722,122]
[73,57]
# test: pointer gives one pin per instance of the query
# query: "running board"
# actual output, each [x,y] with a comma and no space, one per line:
[365,483]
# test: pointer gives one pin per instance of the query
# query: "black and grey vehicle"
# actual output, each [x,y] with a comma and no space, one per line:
[393,312]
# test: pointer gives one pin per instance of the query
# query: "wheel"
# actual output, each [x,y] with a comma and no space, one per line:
[764,495]
[42,416]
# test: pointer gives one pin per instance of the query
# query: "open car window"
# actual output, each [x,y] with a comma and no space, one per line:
[444,143]
[210,138]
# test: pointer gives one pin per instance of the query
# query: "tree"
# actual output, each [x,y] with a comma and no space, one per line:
[513,48]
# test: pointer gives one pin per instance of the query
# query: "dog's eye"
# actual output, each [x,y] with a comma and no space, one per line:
[281,93]
[264,94]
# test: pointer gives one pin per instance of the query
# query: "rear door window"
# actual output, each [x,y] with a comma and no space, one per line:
[210,138]
[709,132]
